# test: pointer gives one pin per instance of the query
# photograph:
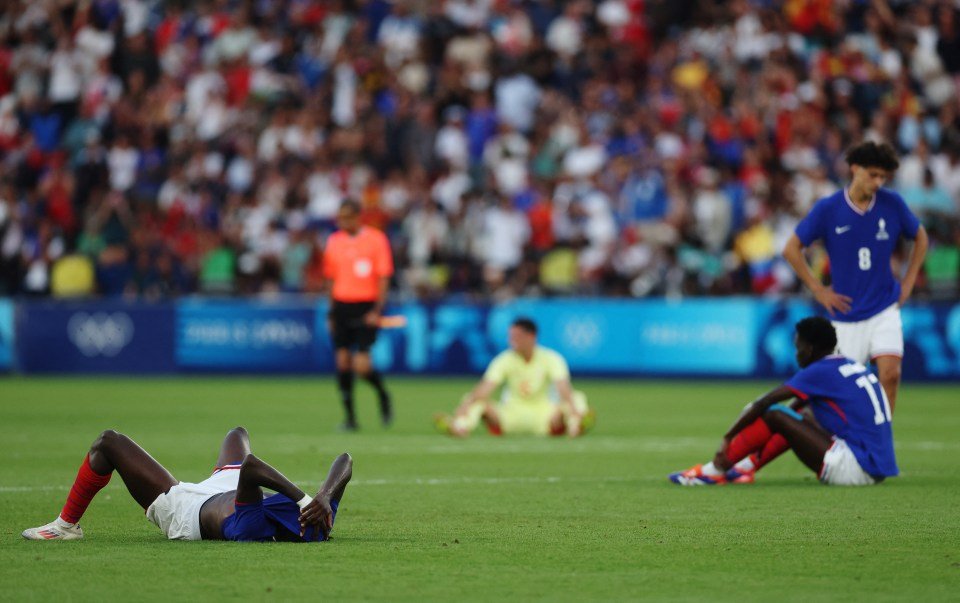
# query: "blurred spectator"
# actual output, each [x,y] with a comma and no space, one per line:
[929,199]
[506,232]
[633,148]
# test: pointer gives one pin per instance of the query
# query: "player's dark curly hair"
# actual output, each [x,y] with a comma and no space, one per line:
[869,154]
[818,332]
[526,324]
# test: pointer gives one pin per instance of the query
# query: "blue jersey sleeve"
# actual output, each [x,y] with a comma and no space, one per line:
[808,383]
[811,227]
[909,221]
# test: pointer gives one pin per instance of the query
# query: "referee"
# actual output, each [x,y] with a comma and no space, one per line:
[358,265]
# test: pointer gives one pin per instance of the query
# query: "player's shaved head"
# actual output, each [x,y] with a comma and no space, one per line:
[869,154]
[818,333]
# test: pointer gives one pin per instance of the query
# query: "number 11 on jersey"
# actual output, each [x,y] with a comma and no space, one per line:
[880,415]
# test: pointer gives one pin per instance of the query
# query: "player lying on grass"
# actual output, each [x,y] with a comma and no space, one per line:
[229,505]
[529,372]
[850,442]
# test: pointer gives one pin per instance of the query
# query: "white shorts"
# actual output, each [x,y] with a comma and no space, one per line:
[879,335]
[177,513]
[840,467]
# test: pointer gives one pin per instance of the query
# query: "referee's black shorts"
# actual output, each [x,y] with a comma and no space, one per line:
[349,329]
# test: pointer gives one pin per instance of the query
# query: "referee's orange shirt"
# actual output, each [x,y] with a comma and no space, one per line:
[356,264]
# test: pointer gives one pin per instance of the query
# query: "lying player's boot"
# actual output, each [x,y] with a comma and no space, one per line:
[740,476]
[55,530]
[694,476]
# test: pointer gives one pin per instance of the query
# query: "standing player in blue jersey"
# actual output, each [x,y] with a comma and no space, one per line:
[849,444]
[860,227]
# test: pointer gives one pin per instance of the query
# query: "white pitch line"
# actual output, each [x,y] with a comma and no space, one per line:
[416,481]
[660,446]
[9,489]
[447,481]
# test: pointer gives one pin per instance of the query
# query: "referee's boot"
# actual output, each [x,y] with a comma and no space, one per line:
[386,410]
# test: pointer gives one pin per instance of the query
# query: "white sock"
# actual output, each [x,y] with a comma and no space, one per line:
[63,524]
[468,422]
[711,470]
[462,424]
[746,465]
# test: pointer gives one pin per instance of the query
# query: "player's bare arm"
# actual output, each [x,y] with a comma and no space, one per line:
[756,409]
[481,392]
[318,512]
[826,296]
[751,413]
[565,391]
[917,256]
[254,475]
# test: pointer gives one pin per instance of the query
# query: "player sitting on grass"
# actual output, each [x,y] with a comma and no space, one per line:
[529,371]
[849,444]
[229,505]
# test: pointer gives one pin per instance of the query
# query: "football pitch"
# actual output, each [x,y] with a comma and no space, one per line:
[428,517]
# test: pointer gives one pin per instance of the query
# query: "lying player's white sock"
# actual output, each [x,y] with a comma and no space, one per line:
[746,465]
[711,470]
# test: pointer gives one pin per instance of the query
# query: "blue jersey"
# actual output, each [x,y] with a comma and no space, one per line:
[275,517]
[847,401]
[860,244]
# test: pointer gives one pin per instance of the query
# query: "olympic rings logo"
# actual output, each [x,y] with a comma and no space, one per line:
[100,334]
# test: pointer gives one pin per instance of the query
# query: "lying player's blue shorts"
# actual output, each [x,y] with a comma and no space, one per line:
[273,516]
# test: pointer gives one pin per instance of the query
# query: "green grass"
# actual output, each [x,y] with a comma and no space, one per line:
[428,517]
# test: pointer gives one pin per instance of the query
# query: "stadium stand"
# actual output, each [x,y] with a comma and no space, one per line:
[666,147]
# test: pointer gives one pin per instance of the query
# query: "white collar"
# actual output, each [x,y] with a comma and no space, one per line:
[853,206]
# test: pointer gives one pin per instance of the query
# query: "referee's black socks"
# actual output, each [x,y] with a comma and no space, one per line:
[374,379]
[345,385]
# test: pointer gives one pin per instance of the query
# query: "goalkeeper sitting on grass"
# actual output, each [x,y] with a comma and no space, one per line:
[229,505]
[537,398]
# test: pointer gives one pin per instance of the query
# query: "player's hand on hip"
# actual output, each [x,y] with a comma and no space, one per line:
[371,318]
[318,513]
[905,293]
[833,301]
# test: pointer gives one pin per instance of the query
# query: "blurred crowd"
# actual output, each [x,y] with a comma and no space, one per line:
[155,148]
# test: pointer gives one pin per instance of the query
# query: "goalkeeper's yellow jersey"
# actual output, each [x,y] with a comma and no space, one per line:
[527,382]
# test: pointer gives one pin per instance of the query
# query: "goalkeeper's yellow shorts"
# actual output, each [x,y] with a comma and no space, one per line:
[526,417]
[534,416]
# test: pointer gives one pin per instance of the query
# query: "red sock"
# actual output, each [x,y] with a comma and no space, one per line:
[85,487]
[494,429]
[775,446]
[753,438]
